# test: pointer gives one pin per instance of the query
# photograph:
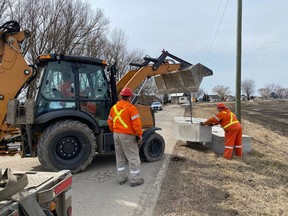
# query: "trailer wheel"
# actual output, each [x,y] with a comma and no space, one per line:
[153,148]
[67,145]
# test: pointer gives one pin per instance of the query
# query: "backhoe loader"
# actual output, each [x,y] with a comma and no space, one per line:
[65,130]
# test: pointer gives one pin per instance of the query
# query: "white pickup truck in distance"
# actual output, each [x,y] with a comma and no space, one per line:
[156,105]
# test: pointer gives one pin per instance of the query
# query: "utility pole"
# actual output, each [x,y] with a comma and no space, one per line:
[238,60]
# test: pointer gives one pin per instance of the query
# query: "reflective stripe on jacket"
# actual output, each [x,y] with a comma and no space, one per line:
[118,116]
[225,118]
[124,118]
[233,120]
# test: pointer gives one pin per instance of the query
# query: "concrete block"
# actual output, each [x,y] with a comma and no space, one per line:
[217,144]
[191,131]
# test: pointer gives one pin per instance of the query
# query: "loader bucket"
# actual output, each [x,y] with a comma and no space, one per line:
[184,80]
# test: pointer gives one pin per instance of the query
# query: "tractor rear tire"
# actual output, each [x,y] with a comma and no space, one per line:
[153,148]
[68,145]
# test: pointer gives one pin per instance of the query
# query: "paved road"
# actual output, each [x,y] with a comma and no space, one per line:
[97,192]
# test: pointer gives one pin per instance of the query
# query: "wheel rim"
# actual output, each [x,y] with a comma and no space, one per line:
[68,148]
[155,148]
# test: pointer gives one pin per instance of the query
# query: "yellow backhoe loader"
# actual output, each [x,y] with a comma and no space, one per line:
[63,119]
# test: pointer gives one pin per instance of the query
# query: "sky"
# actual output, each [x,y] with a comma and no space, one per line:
[204,31]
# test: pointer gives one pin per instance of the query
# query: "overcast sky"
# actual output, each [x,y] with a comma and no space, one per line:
[204,31]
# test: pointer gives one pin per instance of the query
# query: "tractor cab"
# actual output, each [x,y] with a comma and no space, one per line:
[72,84]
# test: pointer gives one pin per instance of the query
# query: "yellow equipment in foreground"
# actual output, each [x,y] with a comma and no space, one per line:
[65,132]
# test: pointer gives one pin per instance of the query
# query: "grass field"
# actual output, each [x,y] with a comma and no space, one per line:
[199,182]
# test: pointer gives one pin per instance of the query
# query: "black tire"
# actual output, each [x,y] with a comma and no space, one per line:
[78,151]
[153,148]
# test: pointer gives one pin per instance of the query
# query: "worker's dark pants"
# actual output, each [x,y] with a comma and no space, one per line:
[127,146]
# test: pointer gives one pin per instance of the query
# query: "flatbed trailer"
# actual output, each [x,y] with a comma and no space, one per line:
[33,193]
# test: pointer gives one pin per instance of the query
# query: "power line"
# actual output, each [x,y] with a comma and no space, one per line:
[210,35]
[209,51]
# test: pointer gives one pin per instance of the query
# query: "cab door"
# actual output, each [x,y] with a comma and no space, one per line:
[94,93]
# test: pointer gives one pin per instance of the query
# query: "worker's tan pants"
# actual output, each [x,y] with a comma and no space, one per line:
[127,146]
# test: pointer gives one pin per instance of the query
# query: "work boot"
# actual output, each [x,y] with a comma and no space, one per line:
[123,181]
[139,182]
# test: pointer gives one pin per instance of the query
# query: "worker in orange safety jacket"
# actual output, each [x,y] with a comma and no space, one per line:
[125,123]
[232,128]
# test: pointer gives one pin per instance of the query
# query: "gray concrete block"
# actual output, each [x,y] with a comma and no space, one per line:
[191,131]
[211,137]
[217,144]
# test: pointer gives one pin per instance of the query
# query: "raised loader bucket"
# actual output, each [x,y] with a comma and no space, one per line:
[184,80]
[171,74]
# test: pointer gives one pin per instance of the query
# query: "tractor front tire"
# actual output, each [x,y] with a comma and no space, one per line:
[67,144]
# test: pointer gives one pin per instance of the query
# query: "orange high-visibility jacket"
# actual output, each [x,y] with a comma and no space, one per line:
[225,118]
[124,118]
[65,89]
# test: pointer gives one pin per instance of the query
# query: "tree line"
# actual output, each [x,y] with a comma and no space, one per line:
[73,27]
[248,88]
[70,27]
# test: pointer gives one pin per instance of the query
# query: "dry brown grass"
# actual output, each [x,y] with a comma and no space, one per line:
[199,182]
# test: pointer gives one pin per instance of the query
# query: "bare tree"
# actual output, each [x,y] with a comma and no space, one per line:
[265,93]
[267,90]
[95,46]
[280,91]
[70,27]
[248,88]
[135,56]
[116,52]
[62,26]
[4,5]
[221,91]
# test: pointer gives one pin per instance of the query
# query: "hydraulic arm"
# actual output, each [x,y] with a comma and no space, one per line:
[14,71]
[171,75]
